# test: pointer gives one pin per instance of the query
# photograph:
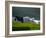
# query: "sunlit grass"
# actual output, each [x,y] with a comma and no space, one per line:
[16,26]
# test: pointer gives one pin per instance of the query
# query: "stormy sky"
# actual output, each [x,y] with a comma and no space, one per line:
[26,11]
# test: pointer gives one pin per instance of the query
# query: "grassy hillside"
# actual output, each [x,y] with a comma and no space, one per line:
[17,26]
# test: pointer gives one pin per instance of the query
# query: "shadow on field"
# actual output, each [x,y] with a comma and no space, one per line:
[24,28]
[20,28]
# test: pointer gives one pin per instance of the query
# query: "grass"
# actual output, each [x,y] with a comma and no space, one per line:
[17,26]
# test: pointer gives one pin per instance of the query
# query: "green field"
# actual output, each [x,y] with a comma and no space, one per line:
[18,26]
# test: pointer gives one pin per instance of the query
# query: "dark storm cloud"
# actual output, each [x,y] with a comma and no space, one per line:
[26,11]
